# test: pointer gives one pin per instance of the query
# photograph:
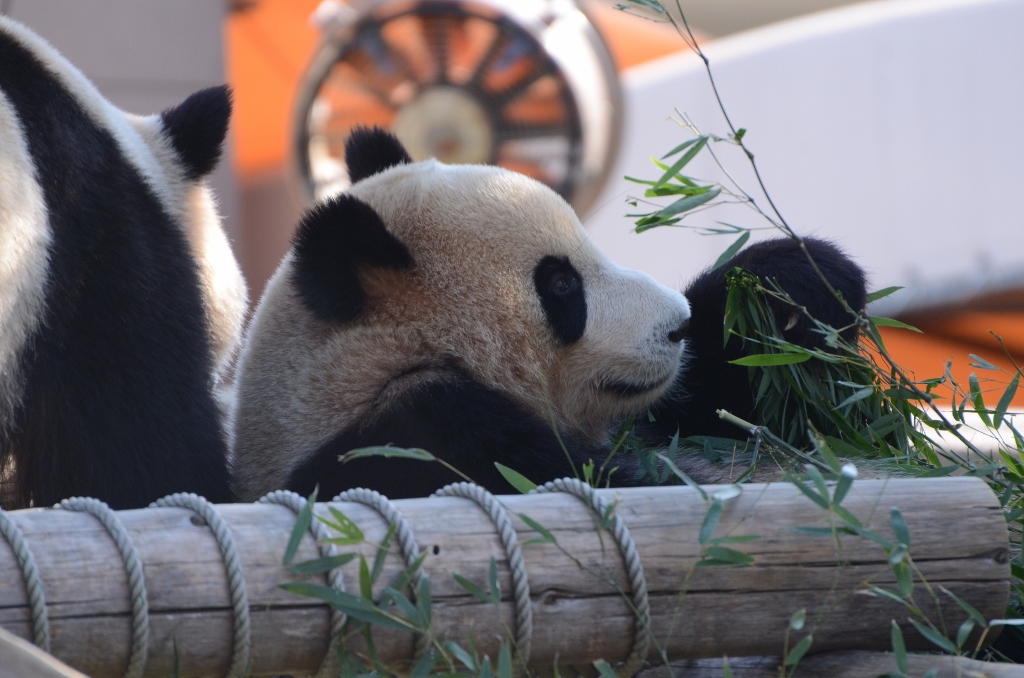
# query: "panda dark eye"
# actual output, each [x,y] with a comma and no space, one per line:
[563,283]
[560,288]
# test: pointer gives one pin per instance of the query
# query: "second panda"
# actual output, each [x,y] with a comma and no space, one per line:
[463,310]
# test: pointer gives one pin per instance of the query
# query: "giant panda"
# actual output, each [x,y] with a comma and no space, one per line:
[120,300]
[463,310]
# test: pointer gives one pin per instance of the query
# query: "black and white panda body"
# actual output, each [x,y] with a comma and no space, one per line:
[119,297]
[458,309]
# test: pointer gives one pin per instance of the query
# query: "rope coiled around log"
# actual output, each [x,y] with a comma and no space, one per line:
[295,502]
[33,583]
[510,541]
[136,577]
[631,558]
[406,542]
[236,577]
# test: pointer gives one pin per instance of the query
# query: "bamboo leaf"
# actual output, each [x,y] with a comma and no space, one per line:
[545,536]
[605,669]
[302,522]
[899,647]
[472,588]
[978,399]
[798,652]
[731,251]
[1004,402]
[353,606]
[883,293]
[692,202]
[707,528]
[936,638]
[516,479]
[682,146]
[699,143]
[388,452]
[771,359]
[321,565]
[889,322]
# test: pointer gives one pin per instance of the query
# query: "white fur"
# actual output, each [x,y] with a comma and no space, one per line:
[24,241]
[476,235]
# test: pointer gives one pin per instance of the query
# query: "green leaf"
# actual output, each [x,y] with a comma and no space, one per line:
[904,578]
[823,502]
[1004,402]
[605,669]
[321,565]
[936,638]
[683,146]
[740,133]
[719,556]
[707,528]
[382,552]
[889,322]
[545,536]
[964,632]
[981,362]
[472,588]
[863,393]
[966,607]
[678,473]
[883,293]
[771,359]
[796,621]
[812,531]
[731,251]
[798,652]
[341,523]
[353,606]
[492,581]
[389,452]
[516,479]
[899,526]
[365,582]
[423,601]
[978,399]
[899,648]
[692,202]
[404,604]
[505,660]
[302,522]
[700,143]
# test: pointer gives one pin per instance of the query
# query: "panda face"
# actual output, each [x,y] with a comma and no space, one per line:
[425,269]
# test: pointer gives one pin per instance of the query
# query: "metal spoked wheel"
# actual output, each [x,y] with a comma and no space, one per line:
[523,84]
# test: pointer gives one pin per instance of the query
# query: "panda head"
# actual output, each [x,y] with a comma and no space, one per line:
[423,268]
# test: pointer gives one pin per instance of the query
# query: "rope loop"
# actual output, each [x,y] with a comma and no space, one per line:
[136,577]
[406,542]
[335,579]
[236,577]
[29,575]
[631,558]
[517,566]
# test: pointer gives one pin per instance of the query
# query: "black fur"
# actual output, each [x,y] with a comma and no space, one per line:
[708,382]
[561,293]
[461,421]
[333,241]
[371,150]
[197,127]
[117,401]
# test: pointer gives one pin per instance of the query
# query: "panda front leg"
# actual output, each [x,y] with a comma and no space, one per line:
[707,381]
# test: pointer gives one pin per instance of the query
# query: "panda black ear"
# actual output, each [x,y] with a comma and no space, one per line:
[370,150]
[197,127]
[334,240]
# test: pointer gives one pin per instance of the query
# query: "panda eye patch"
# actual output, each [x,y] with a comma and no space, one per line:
[560,288]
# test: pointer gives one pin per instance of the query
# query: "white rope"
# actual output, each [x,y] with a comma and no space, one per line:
[136,577]
[510,540]
[33,583]
[634,569]
[329,665]
[236,578]
[406,541]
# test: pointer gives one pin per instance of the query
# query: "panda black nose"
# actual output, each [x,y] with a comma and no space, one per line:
[679,333]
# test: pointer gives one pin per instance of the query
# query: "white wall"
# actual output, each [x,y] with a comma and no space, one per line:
[893,128]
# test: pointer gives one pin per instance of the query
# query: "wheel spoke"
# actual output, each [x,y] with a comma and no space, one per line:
[530,131]
[503,98]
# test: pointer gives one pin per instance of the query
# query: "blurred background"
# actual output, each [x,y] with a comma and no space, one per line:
[888,126]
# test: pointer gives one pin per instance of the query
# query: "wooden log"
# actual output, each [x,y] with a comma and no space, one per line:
[849,664]
[959,541]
